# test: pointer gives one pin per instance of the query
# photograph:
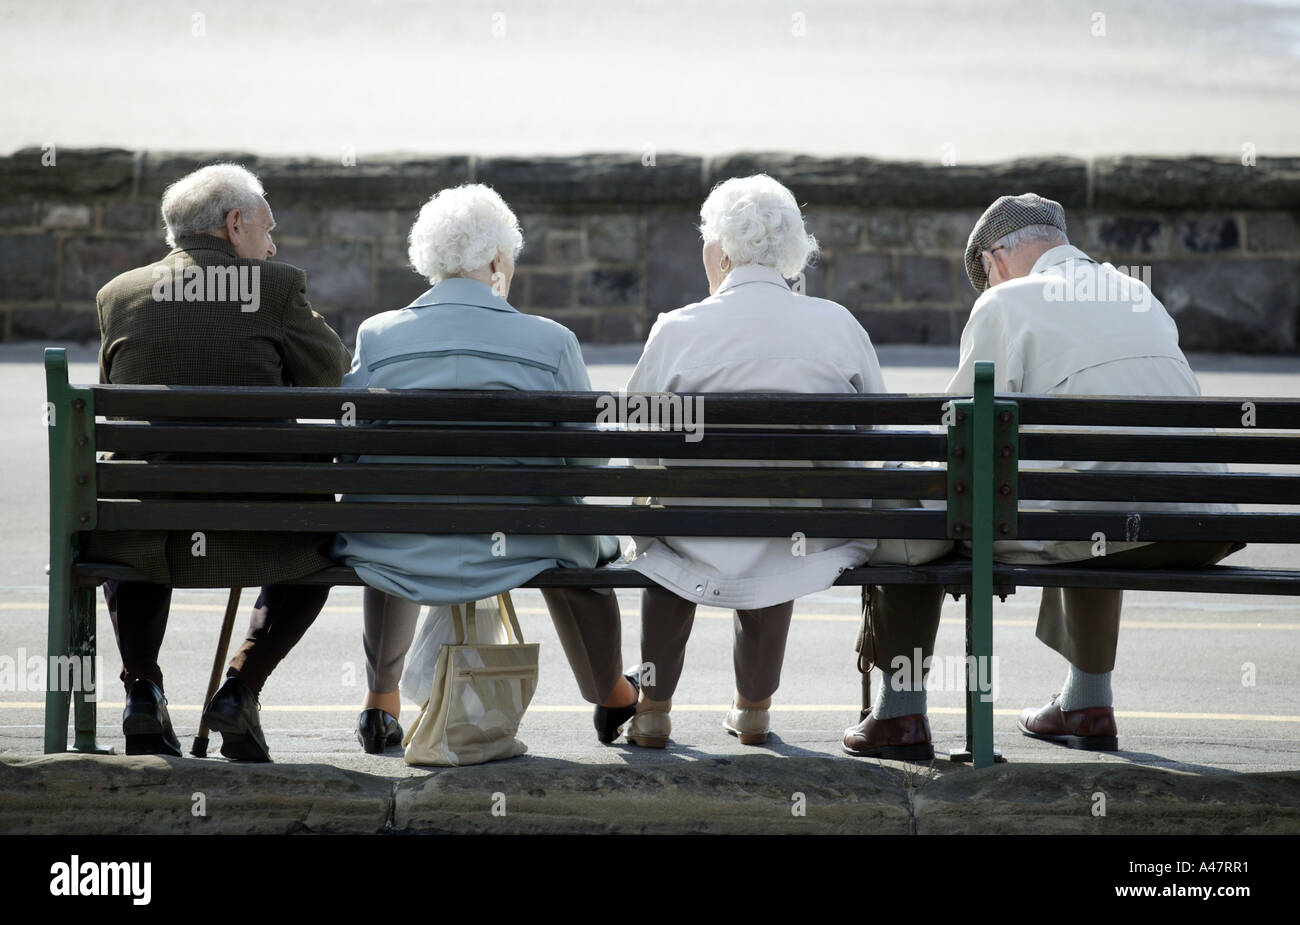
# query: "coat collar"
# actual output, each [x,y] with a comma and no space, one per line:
[752,273]
[203,242]
[457,290]
[1055,256]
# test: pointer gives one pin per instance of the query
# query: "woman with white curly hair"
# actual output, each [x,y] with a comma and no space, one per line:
[463,334]
[753,334]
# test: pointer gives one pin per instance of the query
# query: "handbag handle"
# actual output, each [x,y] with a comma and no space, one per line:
[467,625]
[507,607]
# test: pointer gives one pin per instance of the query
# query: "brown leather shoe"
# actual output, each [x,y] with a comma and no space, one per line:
[1092,728]
[903,738]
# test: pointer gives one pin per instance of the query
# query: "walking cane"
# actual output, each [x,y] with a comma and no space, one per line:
[200,749]
[866,658]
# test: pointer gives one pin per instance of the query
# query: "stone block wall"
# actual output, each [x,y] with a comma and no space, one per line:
[611,241]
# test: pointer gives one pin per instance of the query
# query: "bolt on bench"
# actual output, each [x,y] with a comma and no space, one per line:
[979,480]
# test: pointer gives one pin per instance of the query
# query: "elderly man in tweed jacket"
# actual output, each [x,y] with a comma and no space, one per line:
[214,311]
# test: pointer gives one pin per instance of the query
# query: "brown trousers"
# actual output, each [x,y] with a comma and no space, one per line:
[758,649]
[586,621]
[1080,623]
[1083,623]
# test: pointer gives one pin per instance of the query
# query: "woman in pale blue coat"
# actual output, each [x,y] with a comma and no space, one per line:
[463,334]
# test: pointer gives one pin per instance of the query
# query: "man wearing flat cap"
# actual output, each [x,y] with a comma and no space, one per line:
[1054,322]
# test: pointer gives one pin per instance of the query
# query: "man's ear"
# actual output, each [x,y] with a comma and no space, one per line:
[234,218]
[998,260]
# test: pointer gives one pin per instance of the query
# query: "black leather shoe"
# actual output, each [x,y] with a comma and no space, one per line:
[610,720]
[233,713]
[145,723]
[378,730]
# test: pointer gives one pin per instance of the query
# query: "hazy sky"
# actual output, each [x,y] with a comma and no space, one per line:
[990,78]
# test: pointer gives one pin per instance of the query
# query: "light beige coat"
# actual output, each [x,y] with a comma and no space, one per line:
[1073,326]
[756,335]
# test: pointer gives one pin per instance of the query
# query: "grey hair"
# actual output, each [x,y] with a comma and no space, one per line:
[1046,234]
[199,202]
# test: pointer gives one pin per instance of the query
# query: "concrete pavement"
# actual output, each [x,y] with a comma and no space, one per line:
[634,791]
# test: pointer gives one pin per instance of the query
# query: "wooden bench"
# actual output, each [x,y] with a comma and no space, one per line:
[976,475]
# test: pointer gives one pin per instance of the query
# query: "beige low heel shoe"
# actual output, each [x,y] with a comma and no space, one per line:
[750,726]
[649,729]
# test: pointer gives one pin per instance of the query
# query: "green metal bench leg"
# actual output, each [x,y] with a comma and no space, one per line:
[70,420]
[83,648]
[979,710]
[970,706]
[57,701]
[971,514]
[979,704]
[979,606]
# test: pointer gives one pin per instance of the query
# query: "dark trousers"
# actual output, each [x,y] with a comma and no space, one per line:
[281,616]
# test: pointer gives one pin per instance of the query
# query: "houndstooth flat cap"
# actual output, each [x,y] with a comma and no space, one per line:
[1007,214]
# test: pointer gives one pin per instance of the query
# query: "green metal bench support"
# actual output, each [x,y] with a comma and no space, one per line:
[70,416]
[982,466]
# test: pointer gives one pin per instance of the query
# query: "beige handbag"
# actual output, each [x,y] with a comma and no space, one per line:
[480,693]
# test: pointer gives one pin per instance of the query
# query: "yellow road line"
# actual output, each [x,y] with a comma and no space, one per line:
[852,708]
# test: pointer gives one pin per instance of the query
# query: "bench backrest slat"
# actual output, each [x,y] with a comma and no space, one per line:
[1115,411]
[147,402]
[132,479]
[566,441]
[1121,526]
[1165,448]
[399,517]
[1237,488]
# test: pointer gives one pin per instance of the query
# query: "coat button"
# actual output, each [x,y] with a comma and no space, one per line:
[716,592]
[699,589]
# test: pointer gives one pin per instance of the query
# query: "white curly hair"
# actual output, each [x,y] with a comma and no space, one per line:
[462,230]
[199,202]
[757,221]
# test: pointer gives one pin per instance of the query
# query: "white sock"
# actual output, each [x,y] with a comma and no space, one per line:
[1083,689]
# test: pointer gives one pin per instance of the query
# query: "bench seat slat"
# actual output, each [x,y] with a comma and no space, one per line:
[953,571]
[1215,579]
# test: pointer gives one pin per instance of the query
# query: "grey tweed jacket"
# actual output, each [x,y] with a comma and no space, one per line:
[145,340]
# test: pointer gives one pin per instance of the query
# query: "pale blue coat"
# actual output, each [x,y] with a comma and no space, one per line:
[459,335]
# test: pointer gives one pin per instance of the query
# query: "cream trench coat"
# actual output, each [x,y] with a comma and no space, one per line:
[1073,326]
[753,335]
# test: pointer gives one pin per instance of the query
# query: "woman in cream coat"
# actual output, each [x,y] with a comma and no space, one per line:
[753,334]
